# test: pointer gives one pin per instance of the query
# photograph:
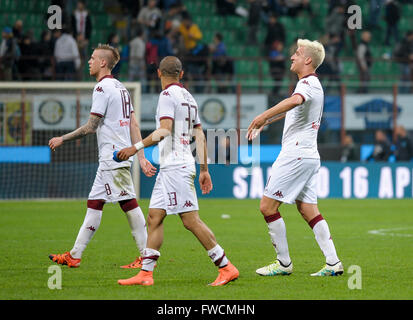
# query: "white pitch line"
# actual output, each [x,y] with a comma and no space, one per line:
[388,232]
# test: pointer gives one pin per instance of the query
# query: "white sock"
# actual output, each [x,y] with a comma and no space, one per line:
[217,256]
[323,238]
[278,235]
[86,232]
[150,256]
[137,224]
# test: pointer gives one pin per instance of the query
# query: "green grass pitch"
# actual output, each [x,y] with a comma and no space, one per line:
[31,230]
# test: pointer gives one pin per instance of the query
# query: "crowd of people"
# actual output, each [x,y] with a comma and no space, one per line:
[384,149]
[165,27]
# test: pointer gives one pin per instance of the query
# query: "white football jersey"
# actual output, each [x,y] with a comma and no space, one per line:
[176,103]
[302,122]
[112,102]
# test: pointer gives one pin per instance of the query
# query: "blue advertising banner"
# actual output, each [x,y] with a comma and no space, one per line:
[335,180]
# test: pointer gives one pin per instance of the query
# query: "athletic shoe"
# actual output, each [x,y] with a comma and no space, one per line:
[330,270]
[226,274]
[275,269]
[137,264]
[143,278]
[65,259]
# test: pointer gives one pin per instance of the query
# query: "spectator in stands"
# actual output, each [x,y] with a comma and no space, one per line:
[276,7]
[254,18]
[8,54]
[277,64]
[275,32]
[222,65]
[403,54]
[190,33]
[349,150]
[66,54]
[45,53]
[294,7]
[404,148]
[194,50]
[226,7]
[382,148]
[336,23]
[168,4]
[114,41]
[329,69]
[18,31]
[137,66]
[82,30]
[392,17]
[364,60]
[149,17]
[27,64]
[173,17]
[375,12]
[332,4]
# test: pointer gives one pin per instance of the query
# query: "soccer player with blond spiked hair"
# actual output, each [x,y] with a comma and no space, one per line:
[112,118]
[293,175]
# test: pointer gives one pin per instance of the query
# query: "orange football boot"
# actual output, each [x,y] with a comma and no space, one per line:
[143,278]
[65,259]
[226,274]
[137,264]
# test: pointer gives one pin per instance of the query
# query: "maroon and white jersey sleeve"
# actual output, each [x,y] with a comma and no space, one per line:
[99,101]
[303,89]
[166,106]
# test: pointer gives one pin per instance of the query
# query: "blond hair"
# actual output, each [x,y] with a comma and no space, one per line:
[112,58]
[314,49]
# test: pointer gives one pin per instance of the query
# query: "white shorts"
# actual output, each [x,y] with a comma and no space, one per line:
[112,185]
[293,179]
[174,190]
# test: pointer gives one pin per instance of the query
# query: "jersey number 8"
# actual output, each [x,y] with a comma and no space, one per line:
[126,103]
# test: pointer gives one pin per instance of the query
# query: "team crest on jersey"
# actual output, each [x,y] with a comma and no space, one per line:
[99,89]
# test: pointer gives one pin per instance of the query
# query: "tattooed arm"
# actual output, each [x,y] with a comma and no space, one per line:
[90,127]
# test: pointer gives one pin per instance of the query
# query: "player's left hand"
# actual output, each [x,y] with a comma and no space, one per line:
[55,142]
[126,153]
[205,182]
[147,168]
[255,127]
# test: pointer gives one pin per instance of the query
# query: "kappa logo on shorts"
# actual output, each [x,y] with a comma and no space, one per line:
[279,194]
[91,228]
[188,204]
[123,193]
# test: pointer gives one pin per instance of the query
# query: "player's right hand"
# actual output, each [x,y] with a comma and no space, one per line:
[255,127]
[126,153]
[55,142]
